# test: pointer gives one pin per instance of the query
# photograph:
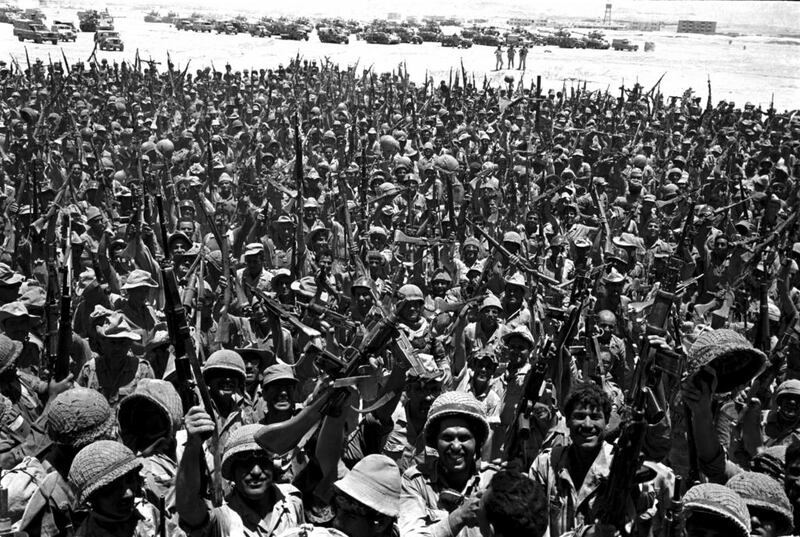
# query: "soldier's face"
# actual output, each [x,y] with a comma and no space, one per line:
[587,425]
[363,299]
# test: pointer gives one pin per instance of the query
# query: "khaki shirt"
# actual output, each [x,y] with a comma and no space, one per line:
[423,513]
[236,519]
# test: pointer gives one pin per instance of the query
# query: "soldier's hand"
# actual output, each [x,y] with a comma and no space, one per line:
[223,283]
[697,390]
[56,387]
[13,209]
[466,515]
[198,423]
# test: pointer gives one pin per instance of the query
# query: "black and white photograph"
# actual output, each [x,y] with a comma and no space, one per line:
[423,269]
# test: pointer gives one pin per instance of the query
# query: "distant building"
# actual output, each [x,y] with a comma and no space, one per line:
[392,16]
[521,22]
[651,26]
[697,27]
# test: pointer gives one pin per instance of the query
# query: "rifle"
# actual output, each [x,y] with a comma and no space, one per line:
[524,265]
[518,431]
[550,355]
[672,515]
[188,365]
[644,408]
[451,208]
[608,246]
[61,364]
[298,176]
[348,226]
[162,517]
[274,307]
[281,437]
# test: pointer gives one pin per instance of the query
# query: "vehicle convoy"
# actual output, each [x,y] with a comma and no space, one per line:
[108,40]
[456,41]
[332,35]
[259,30]
[65,31]
[294,32]
[623,44]
[27,30]
[596,40]
[377,37]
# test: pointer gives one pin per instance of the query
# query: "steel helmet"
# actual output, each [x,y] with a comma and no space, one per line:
[165,147]
[410,293]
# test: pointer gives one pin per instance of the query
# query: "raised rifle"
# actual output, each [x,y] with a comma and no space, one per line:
[644,409]
[282,437]
[524,265]
[187,366]
[61,364]
[551,353]
[274,307]
[298,177]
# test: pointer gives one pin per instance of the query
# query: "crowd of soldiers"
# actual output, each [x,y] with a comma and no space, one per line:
[319,300]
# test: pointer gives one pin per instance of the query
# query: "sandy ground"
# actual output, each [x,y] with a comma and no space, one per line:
[740,68]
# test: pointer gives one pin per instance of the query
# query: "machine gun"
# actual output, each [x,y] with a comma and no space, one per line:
[524,265]
[273,307]
[281,437]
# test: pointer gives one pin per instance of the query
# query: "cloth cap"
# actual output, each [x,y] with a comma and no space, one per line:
[254,248]
[613,276]
[161,394]
[242,440]
[117,327]
[374,481]
[516,279]
[92,213]
[513,237]
[472,241]
[278,371]
[442,276]
[8,276]
[456,404]
[227,360]
[788,387]
[733,357]
[491,301]
[139,278]
[764,492]
[772,462]
[78,417]
[305,287]
[520,331]
[721,501]
[9,352]
[99,464]
[159,339]
[14,309]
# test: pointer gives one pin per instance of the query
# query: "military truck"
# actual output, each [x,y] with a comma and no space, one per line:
[108,40]
[28,30]
[623,44]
